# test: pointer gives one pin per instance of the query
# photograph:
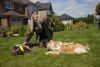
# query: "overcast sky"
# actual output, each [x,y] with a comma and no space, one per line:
[75,8]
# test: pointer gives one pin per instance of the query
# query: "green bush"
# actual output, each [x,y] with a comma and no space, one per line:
[19,29]
[22,30]
[55,23]
[28,30]
[0,32]
[4,32]
[15,29]
[78,26]
[9,34]
[69,26]
[81,25]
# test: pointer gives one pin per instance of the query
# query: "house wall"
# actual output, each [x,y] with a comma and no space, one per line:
[4,22]
[17,9]
[49,12]
[43,14]
[68,21]
[26,11]
[2,6]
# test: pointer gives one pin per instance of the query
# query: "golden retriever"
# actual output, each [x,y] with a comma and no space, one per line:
[57,47]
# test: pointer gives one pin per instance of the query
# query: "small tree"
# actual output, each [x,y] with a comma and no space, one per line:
[55,23]
[98,12]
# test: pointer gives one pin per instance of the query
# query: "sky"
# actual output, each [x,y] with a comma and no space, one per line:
[74,8]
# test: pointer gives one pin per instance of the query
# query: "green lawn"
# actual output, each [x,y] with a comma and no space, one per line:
[92,59]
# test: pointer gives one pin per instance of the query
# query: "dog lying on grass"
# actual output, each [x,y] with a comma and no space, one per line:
[56,47]
[21,49]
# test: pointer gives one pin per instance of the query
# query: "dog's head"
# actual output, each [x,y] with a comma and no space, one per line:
[51,44]
[14,50]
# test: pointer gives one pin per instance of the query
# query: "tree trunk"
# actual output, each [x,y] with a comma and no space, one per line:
[99,22]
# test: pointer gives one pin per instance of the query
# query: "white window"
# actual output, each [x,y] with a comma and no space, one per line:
[14,20]
[9,5]
[32,8]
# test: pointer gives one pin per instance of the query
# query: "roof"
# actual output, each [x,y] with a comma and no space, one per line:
[43,5]
[21,1]
[30,2]
[12,13]
[65,16]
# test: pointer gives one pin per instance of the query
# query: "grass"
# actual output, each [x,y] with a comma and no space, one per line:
[92,59]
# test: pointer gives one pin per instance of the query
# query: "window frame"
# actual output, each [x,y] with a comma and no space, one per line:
[15,20]
[9,5]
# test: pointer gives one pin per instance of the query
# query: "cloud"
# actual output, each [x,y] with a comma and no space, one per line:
[75,8]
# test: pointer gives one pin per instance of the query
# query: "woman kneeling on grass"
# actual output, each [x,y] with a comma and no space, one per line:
[41,29]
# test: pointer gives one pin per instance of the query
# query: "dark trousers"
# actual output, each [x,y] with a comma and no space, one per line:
[29,36]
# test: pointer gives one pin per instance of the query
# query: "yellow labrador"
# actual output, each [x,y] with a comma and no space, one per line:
[57,47]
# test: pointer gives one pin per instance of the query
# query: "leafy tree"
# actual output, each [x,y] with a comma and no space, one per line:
[98,12]
[55,23]
[89,19]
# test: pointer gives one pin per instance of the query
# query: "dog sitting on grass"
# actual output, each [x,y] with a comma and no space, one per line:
[21,49]
[57,47]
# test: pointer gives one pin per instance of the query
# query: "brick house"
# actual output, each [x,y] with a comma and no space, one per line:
[13,12]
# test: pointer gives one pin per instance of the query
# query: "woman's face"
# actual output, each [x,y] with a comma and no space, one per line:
[35,18]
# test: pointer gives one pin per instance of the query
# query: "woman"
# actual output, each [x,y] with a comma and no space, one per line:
[41,29]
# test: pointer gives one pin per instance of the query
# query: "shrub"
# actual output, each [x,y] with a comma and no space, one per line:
[4,32]
[18,29]
[9,34]
[55,23]
[81,25]
[15,29]
[78,26]
[69,26]
[28,30]
[22,30]
[0,32]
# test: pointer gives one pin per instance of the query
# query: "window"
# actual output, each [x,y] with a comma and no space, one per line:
[9,5]
[20,7]
[14,20]
[32,8]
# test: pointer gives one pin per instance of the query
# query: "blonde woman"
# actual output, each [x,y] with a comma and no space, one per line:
[43,32]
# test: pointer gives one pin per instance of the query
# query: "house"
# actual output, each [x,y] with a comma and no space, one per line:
[66,19]
[32,8]
[45,10]
[13,12]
